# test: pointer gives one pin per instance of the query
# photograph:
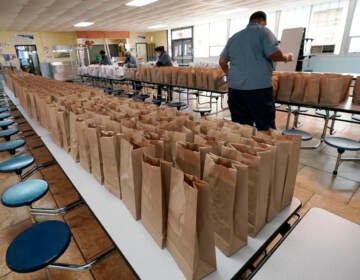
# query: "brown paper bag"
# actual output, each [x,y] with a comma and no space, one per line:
[259,185]
[110,152]
[93,135]
[131,154]
[84,150]
[155,197]
[190,232]
[190,158]
[63,123]
[213,142]
[191,79]
[331,91]
[228,183]
[312,91]
[54,127]
[292,168]
[283,149]
[286,85]
[356,92]
[299,88]
[275,81]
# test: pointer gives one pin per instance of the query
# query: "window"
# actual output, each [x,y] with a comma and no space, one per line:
[354,46]
[218,37]
[237,24]
[201,40]
[292,18]
[327,23]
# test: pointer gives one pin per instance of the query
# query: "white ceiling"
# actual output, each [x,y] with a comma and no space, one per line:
[114,15]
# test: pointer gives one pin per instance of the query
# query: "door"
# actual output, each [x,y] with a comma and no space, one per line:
[28,57]
[182,51]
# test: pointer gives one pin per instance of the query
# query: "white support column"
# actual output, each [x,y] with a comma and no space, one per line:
[349,19]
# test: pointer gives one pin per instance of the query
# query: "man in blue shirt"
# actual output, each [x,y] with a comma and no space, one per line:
[105,60]
[251,53]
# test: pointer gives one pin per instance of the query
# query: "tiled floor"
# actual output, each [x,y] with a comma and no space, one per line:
[315,187]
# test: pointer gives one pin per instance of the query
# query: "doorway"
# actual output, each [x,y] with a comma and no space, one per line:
[28,57]
[182,45]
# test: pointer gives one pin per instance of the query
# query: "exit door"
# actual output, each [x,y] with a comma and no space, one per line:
[183,51]
[28,57]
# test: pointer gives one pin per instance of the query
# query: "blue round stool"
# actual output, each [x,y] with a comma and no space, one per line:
[331,113]
[202,111]
[178,105]
[6,134]
[38,246]
[24,193]
[11,146]
[4,109]
[16,164]
[305,136]
[342,144]
[4,116]
[6,123]
[3,104]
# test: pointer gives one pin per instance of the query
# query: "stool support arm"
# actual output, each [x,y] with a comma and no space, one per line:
[55,211]
[78,268]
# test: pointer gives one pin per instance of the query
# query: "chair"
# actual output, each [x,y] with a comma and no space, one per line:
[6,134]
[329,115]
[27,192]
[6,123]
[11,146]
[141,97]
[178,105]
[16,164]
[202,111]
[40,246]
[342,145]
[4,116]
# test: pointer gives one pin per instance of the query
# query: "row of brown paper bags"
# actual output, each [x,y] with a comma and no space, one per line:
[311,88]
[356,92]
[201,78]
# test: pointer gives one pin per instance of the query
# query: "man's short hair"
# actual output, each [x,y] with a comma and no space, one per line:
[102,52]
[160,49]
[258,16]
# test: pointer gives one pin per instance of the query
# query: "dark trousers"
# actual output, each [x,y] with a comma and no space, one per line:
[253,106]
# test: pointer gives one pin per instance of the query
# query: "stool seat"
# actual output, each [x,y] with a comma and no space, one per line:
[178,105]
[158,101]
[109,90]
[342,143]
[11,146]
[38,246]
[4,109]
[356,117]
[297,109]
[323,113]
[6,134]
[305,136]
[4,116]
[24,193]
[130,94]
[142,97]
[228,118]
[202,111]
[16,164]
[6,123]
[277,105]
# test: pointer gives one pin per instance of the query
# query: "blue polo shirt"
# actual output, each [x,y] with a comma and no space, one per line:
[248,52]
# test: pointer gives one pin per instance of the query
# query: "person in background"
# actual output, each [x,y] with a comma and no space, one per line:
[163,59]
[104,60]
[247,60]
[130,60]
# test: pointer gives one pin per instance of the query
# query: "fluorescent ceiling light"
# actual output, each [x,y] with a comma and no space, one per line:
[140,3]
[238,10]
[157,26]
[83,24]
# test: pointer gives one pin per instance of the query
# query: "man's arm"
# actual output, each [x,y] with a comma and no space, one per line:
[279,56]
[224,64]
